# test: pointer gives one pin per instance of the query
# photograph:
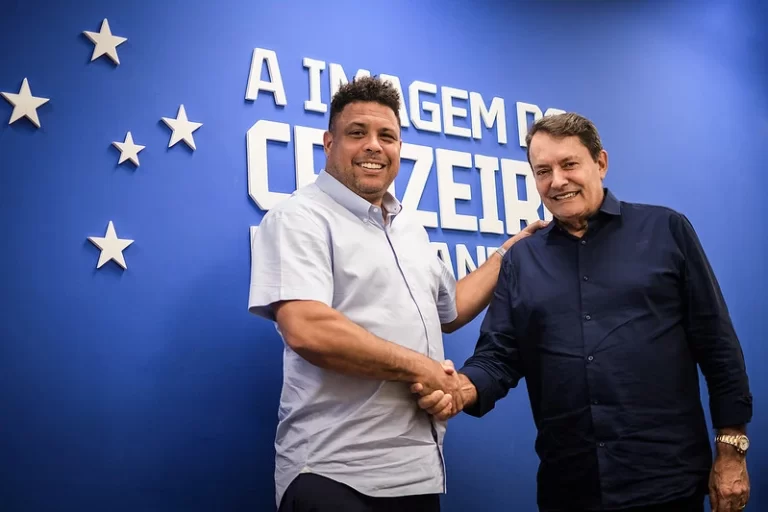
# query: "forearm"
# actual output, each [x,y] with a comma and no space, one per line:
[711,334]
[492,371]
[483,385]
[329,340]
[474,291]
[495,366]
[722,363]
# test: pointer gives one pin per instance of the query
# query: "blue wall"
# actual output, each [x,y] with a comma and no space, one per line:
[152,388]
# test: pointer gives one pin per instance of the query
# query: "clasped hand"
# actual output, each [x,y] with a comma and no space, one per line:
[440,392]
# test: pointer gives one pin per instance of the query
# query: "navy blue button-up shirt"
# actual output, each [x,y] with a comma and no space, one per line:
[608,330]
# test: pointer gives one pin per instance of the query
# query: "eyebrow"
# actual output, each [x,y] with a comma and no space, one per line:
[567,158]
[357,124]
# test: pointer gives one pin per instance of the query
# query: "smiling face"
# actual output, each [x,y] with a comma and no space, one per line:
[568,179]
[362,149]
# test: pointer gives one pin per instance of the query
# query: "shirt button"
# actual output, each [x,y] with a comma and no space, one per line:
[590,358]
[586,278]
[595,402]
[583,242]
[601,444]
[587,317]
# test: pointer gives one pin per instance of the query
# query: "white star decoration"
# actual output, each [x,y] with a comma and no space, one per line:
[24,104]
[182,128]
[111,247]
[128,150]
[105,42]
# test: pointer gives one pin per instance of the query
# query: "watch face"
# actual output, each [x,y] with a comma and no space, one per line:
[744,443]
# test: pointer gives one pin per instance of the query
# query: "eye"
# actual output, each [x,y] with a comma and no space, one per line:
[569,165]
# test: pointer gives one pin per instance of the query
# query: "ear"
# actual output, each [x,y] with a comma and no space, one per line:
[602,163]
[327,142]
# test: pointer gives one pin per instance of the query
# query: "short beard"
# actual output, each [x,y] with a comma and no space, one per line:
[349,180]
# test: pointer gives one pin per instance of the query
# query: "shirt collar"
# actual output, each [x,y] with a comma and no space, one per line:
[610,206]
[360,207]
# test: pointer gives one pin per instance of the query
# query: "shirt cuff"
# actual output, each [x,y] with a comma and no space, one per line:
[447,313]
[483,383]
[730,411]
[261,298]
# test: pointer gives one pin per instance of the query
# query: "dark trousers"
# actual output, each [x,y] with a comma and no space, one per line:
[693,504]
[315,493]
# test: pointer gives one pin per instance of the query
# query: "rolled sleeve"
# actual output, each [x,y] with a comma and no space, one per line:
[711,334]
[291,260]
[446,296]
[495,366]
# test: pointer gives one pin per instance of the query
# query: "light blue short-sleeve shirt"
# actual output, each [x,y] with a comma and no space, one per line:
[327,244]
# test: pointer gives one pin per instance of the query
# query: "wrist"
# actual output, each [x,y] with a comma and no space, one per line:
[732,431]
[468,390]
[424,370]
[729,452]
[731,442]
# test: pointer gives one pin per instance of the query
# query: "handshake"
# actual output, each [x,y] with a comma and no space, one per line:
[444,392]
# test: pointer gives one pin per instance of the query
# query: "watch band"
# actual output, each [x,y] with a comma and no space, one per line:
[501,252]
[740,442]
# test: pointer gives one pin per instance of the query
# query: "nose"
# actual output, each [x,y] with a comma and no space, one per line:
[559,178]
[372,143]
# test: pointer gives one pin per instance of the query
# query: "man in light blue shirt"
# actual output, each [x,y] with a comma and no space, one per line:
[360,299]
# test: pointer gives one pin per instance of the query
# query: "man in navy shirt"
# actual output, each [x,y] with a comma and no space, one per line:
[606,313]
